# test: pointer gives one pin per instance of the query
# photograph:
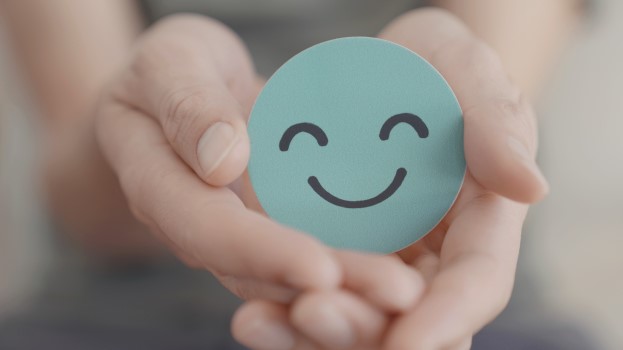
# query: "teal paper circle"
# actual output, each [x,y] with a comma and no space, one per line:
[317,126]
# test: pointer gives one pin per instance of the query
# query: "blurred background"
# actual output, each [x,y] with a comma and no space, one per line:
[576,234]
[573,239]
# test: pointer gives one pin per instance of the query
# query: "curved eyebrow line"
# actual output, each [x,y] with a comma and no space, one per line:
[416,122]
[312,129]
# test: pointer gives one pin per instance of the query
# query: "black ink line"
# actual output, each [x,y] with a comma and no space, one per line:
[416,122]
[312,129]
[388,192]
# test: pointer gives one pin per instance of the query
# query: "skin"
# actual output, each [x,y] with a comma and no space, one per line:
[152,167]
[467,263]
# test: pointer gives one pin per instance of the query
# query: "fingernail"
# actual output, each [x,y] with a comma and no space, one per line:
[215,145]
[528,160]
[264,334]
[331,326]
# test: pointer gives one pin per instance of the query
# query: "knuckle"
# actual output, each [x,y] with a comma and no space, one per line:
[509,107]
[187,22]
[476,56]
[480,50]
[518,112]
[184,31]
[434,15]
[513,113]
[435,21]
[483,60]
[143,62]
[462,53]
[187,112]
[181,20]
[170,41]
[180,111]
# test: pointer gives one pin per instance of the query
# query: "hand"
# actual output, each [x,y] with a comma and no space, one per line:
[469,259]
[173,128]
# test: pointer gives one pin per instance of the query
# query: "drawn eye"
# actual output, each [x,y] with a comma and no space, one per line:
[416,122]
[312,129]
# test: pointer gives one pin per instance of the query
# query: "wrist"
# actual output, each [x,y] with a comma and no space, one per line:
[84,198]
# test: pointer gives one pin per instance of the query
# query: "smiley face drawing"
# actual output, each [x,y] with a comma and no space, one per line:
[358,142]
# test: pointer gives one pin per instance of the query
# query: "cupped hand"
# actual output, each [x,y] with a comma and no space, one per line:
[173,128]
[468,261]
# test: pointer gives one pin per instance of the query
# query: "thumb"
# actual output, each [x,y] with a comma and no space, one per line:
[500,126]
[193,77]
[500,148]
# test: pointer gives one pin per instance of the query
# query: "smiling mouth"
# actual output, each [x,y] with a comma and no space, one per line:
[388,192]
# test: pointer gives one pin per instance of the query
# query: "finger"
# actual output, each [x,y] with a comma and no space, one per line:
[305,344]
[427,264]
[338,319]
[500,126]
[465,344]
[207,224]
[424,254]
[475,279]
[385,281]
[248,289]
[262,325]
[194,77]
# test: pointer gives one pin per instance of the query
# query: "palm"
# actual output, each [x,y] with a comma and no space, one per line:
[469,259]
[425,254]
